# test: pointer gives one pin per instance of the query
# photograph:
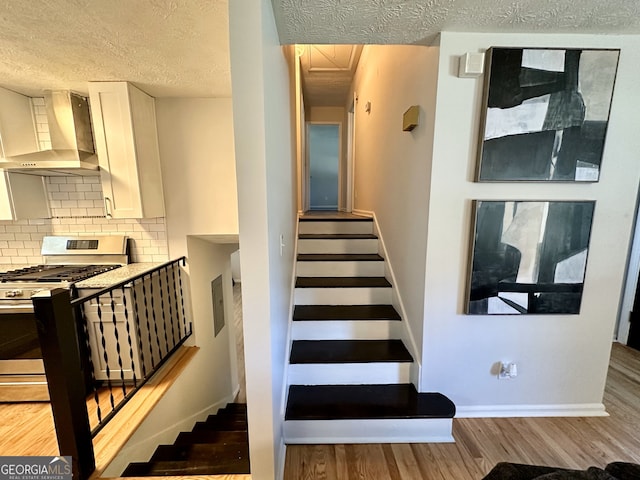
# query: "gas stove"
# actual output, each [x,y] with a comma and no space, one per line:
[67,260]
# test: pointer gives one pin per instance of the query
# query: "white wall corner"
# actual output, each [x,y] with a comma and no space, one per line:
[281,460]
[404,331]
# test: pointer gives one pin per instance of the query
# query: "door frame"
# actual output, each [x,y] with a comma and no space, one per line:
[630,285]
[307,169]
[351,154]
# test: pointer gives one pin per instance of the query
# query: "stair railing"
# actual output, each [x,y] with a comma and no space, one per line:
[99,349]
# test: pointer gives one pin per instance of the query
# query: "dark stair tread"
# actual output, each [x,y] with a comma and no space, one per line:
[221,426]
[344,312]
[336,219]
[342,402]
[348,351]
[200,451]
[185,468]
[342,282]
[340,257]
[224,421]
[337,236]
[235,407]
[231,415]
[212,436]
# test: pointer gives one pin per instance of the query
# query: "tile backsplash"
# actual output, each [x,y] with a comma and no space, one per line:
[77,208]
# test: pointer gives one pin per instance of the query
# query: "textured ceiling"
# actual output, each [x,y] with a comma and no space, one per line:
[327,72]
[167,47]
[419,21]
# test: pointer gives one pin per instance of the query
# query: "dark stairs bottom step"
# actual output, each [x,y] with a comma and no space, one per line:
[217,446]
[349,402]
[348,351]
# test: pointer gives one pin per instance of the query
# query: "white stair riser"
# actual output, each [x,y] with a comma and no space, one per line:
[345,330]
[403,430]
[336,227]
[343,296]
[359,245]
[340,269]
[383,373]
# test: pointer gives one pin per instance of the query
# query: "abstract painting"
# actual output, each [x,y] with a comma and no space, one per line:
[545,114]
[529,257]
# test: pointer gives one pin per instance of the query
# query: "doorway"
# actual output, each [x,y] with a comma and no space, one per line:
[324,146]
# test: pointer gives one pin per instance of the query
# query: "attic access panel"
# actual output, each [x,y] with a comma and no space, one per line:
[545,114]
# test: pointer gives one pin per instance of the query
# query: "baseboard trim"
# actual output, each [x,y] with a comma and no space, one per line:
[281,460]
[416,430]
[502,411]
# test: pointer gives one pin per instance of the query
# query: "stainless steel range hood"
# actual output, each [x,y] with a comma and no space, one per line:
[72,151]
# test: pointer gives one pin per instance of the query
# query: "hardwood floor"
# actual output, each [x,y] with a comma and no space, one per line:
[571,442]
[27,429]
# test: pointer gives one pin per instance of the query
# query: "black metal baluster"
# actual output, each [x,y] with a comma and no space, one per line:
[146,313]
[184,317]
[164,316]
[175,294]
[114,319]
[129,341]
[171,319]
[105,356]
[85,330]
[136,318]
[153,314]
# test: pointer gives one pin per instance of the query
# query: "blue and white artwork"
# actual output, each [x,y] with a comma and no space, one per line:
[545,114]
[529,257]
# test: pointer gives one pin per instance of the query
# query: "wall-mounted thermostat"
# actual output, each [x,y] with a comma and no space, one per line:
[471,65]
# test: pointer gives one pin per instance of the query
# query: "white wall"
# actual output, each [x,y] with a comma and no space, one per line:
[562,359]
[392,167]
[266,203]
[195,136]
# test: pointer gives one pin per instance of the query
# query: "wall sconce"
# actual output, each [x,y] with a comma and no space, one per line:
[411,117]
[471,65]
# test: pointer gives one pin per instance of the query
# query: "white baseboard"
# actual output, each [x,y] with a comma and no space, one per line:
[567,410]
[402,430]
[281,460]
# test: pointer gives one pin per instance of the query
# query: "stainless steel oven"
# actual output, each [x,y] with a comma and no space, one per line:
[66,260]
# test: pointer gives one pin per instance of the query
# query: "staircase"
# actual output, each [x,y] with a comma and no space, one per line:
[217,446]
[349,370]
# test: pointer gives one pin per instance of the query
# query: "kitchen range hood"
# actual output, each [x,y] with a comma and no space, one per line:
[72,151]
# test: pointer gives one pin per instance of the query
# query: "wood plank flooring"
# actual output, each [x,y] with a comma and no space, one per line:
[571,442]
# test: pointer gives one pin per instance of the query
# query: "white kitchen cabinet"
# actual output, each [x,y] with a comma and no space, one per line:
[21,196]
[124,122]
[107,333]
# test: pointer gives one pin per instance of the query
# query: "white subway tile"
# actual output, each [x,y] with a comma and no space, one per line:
[7,236]
[62,212]
[57,179]
[9,252]
[67,221]
[4,244]
[84,187]
[23,236]
[92,179]
[85,204]
[95,211]
[35,260]
[13,228]
[16,244]
[37,101]
[67,187]
[60,195]
[69,204]
[79,212]
[76,196]
[75,180]
[96,187]
[93,196]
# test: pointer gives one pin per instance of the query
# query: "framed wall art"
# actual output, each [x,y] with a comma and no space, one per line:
[528,257]
[545,114]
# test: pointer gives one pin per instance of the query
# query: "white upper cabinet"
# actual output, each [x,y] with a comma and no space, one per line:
[124,122]
[21,196]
